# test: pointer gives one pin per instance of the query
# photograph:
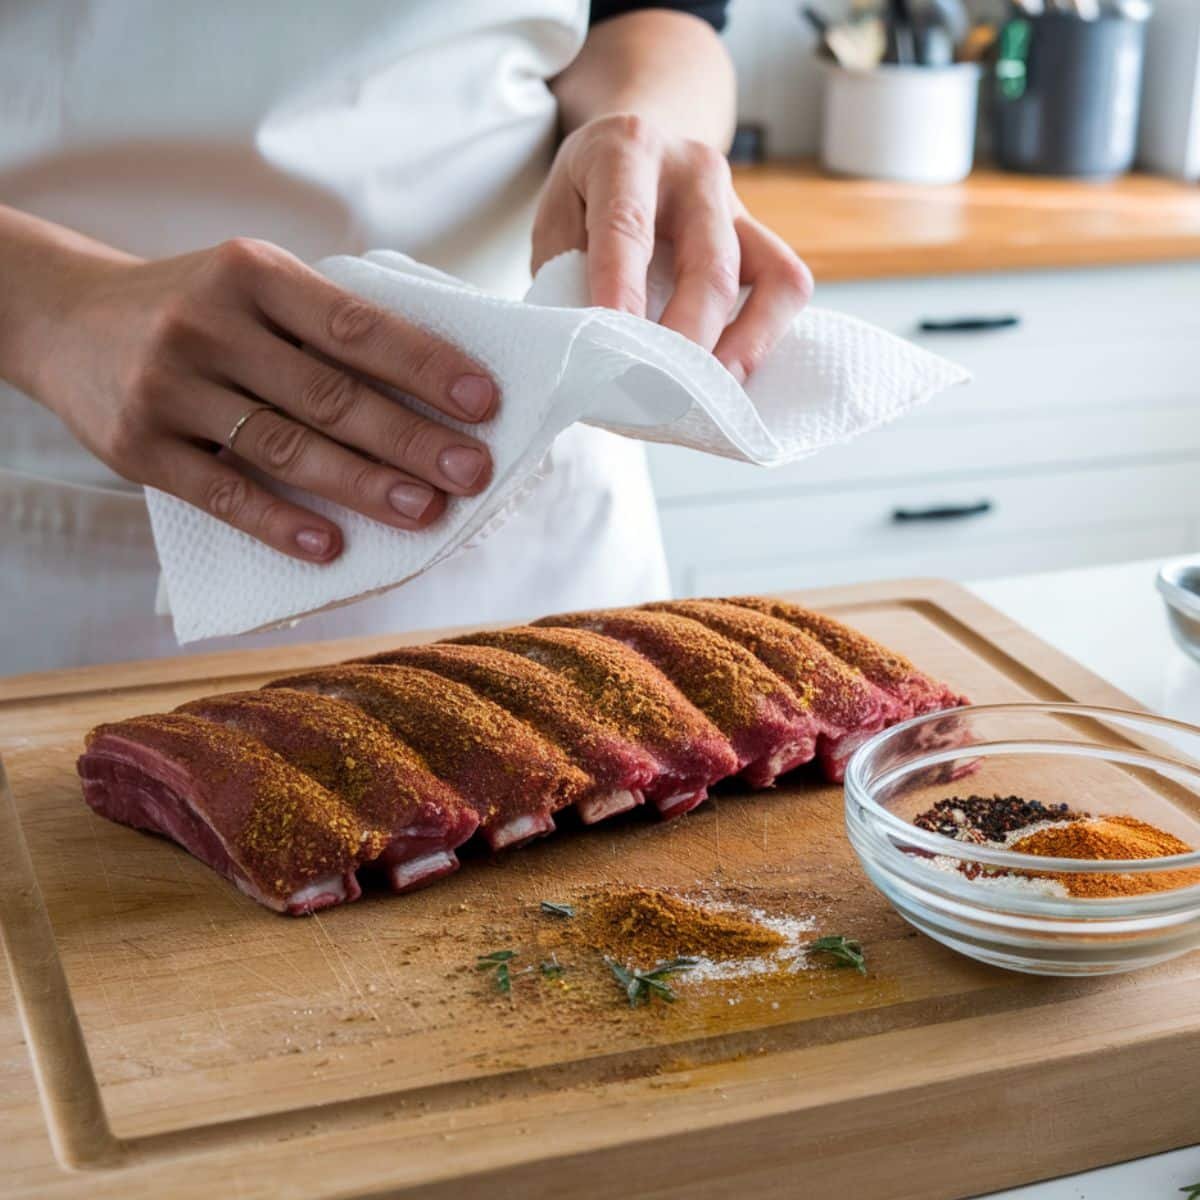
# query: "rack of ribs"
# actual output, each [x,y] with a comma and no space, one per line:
[619,769]
[766,722]
[304,790]
[349,753]
[626,693]
[513,778]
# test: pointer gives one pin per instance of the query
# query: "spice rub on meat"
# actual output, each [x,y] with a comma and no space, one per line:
[629,695]
[513,778]
[235,804]
[620,769]
[769,726]
[845,706]
[911,692]
[303,790]
[388,785]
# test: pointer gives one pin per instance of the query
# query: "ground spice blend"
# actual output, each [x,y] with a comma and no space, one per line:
[1109,838]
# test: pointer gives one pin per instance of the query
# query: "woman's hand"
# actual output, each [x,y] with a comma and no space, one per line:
[618,185]
[154,364]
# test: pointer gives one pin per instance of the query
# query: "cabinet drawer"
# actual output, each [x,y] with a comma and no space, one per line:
[1075,548]
[1096,305]
[908,449]
[796,531]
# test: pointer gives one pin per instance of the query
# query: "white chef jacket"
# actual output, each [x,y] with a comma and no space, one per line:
[425,126]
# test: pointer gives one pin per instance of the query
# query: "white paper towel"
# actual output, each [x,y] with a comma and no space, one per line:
[829,379]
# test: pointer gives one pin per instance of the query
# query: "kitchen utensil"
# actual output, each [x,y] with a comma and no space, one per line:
[902,46]
[909,123]
[978,899]
[954,16]
[1179,585]
[192,1043]
[819,23]
[978,43]
[933,41]
[858,46]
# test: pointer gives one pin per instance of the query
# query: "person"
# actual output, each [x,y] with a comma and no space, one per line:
[167,172]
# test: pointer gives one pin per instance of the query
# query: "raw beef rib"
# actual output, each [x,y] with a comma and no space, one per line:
[846,707]
[765,721]
[619,769]
[237,806]
[629,695]
[356,758]
[513,778]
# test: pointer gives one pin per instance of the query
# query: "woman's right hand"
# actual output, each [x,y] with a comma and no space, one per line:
[154,363]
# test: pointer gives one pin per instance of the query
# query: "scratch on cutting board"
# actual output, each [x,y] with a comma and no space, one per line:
[344,960]
[212,1007]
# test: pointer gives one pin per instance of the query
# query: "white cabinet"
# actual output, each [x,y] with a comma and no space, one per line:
[1077,442]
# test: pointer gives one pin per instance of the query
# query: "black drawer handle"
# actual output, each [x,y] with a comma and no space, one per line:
[969,324]
[946,512]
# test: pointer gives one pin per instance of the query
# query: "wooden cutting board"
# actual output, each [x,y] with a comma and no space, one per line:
[162,1034]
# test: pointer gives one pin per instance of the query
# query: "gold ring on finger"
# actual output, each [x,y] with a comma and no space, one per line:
[237,428]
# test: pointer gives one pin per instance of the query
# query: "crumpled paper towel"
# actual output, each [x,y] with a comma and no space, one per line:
[830,378]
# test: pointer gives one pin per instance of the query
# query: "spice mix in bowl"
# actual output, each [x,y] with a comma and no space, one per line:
[1075,850]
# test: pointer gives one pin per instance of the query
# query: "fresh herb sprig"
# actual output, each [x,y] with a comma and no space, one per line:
[557,910]
[551,968]
[1191,1190]
[844,951]
[641,986]
[498,962]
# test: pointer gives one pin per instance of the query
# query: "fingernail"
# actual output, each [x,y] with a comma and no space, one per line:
[473,394]
[410,499]
[316,543]
[462,464]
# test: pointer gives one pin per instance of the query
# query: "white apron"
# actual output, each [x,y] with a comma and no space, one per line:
[424,126]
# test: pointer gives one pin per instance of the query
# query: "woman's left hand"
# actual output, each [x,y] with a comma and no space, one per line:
[618,186]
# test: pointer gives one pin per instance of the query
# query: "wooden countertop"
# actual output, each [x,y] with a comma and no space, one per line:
[863,229]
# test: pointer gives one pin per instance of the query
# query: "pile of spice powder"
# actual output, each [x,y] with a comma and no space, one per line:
[1109,838]
[644,926]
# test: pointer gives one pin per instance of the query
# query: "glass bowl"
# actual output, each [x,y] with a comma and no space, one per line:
[1006,908]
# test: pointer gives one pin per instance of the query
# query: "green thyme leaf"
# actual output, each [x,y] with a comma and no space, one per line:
[485,962]
[670,968]
[557,910]
[640,986]
[503,981]
[844,951]
[498,962]
[552,968]
[1192,1190]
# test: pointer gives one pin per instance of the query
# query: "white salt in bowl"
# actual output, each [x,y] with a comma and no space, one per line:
[1108,762]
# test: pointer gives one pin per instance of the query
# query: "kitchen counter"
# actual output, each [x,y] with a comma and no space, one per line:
[850,229]
[1111,619]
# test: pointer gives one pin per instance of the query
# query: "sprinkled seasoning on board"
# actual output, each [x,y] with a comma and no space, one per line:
[658,943]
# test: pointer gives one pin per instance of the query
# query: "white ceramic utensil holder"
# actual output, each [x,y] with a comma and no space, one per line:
[911,124]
